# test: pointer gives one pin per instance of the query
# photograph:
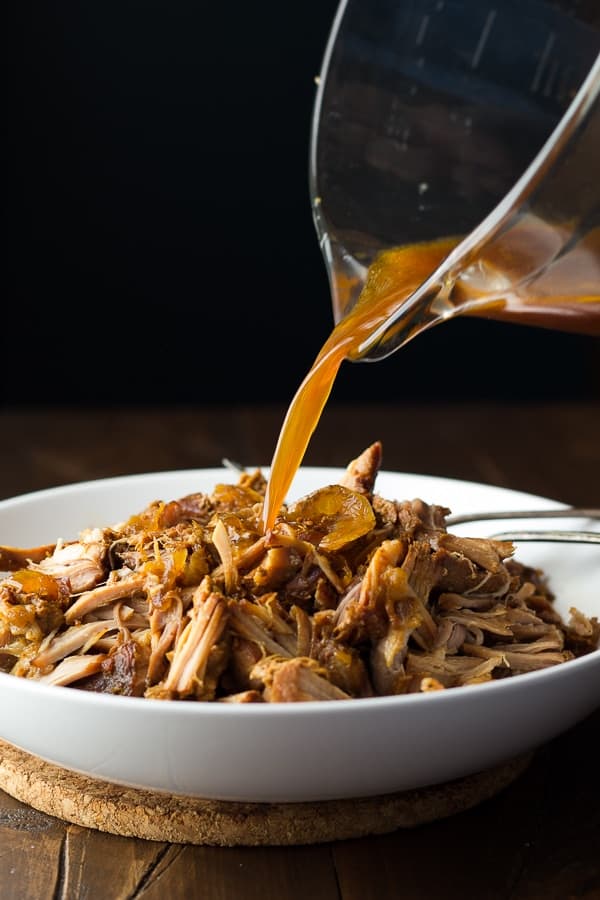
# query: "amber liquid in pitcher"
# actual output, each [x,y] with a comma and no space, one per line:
[534,273]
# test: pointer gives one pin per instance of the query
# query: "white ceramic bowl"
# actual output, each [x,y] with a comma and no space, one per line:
[299,751]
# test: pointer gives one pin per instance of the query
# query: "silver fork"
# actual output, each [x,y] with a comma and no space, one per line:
[552,535]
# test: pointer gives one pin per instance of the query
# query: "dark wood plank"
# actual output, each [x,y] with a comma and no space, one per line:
[43,857]
[239,873]
[96,864]
[30,852]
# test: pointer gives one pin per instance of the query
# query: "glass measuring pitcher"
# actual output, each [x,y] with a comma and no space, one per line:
[459,139]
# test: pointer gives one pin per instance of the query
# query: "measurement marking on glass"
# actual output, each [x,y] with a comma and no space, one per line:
[552,72]
[537,78]
[421,32]
[485,33]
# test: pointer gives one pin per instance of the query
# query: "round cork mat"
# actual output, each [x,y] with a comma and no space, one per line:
[186,820]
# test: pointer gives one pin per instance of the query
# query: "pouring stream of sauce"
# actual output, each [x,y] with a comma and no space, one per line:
[562,293]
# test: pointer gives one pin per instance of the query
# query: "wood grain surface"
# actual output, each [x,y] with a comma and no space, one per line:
[538,838]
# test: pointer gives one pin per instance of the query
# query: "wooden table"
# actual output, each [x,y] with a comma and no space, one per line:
[539,838]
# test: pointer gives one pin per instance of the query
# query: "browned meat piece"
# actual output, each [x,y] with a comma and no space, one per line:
[312,579]
[450,635]
[74,668]
[305,629]
[195,506]
[385,600]
[158,516]
[408,618]
[277,567]
[423,570]
[251,555]
[365,614]
[247,495]
[344,665]
[243,558]
[223,544]
[387,659]
[361,473]
[450,671]
[449,600]
[123,671]
[526,625]
[420,520]
[115,589]
[254,481]
[263,624]
[386,612]
[294,680]
[12,558]
[529,575]
[166,624]
[386,513]
[303,587]
[494,622]
[243,697]
[69,641]
[243,657]
[280,623]
[582,635]
[430,684]
[486,553]
[462,575]
[524,658]
[7,661]
[31,606]
[80,563]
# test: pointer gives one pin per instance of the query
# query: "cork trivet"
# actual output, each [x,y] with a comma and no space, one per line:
[157,816]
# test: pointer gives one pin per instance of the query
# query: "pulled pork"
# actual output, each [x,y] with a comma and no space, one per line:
[349,595]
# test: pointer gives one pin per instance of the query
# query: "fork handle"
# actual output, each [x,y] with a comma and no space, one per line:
[568,513]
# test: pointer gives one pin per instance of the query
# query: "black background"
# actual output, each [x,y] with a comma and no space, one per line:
[159,241]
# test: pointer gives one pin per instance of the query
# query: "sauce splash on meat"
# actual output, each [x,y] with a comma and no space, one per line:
[563,293]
